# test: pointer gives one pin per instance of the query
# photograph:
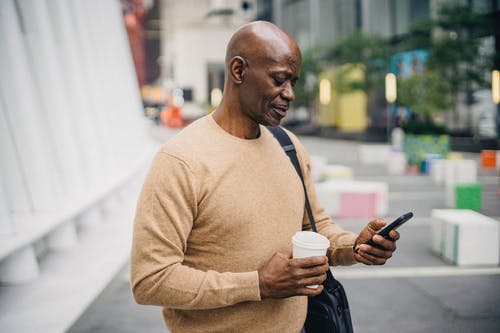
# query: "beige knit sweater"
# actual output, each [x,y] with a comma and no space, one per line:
[213,209]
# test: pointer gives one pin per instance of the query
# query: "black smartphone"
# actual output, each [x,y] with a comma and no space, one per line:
[393,226]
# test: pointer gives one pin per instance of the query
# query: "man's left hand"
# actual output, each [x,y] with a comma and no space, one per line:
[371,255]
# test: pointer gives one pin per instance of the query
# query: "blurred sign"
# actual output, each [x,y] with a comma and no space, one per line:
[406,64]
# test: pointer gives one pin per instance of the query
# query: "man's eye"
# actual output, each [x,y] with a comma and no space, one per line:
[278,81]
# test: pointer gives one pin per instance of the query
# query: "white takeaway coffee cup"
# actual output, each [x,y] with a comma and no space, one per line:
[309,244]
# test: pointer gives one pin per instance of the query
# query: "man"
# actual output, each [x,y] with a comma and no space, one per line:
[212,236]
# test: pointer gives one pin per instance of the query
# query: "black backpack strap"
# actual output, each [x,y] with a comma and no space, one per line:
[287,145]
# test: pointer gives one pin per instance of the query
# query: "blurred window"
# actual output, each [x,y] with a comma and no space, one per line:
[215,77]
[187,94]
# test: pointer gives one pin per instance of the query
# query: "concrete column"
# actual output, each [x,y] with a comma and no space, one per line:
[63,237]
[14,185]
[6,225]
[99,99]
[110,34]
[22,112]
[19,267]
[55,108]
[80,106]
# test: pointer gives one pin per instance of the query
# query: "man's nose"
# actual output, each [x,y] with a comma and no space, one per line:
[288,92]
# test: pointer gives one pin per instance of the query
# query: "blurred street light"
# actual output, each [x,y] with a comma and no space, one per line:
[215,97]
[325,91]
[390,96]
[390,88]
[495,86]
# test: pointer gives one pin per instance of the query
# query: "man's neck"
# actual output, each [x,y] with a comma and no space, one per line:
[238,126]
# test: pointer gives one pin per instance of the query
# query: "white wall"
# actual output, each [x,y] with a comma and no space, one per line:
[194,49]
[71,121]
[190,40]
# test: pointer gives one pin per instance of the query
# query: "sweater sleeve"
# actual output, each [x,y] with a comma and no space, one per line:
[341,241]
[166,209]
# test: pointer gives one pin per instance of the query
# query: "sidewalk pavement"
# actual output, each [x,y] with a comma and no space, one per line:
[415,291]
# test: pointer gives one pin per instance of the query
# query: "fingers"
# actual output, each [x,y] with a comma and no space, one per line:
[394,235]
[384,243]
[311,281]
[309,267]
[370,255]
[376,225]
[310,262]
[377,255]
[307,272]
[284,277]
[310,291]
[383,248]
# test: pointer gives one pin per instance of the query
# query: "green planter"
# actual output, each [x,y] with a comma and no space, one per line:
[468,196]
[416,146]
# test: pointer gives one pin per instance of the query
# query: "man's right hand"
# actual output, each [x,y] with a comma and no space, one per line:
[283,276]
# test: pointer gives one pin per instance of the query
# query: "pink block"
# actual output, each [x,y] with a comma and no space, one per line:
[357,204]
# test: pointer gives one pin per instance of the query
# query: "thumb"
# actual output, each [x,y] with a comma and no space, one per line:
[377,224]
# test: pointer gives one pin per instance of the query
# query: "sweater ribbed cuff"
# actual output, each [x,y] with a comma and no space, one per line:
[343,253]
[248,285]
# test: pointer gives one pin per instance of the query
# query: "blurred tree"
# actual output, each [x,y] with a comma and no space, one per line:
[370,51]
[455,40]
[426,95]
[306,88]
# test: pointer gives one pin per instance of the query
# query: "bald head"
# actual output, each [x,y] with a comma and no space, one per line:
[262,66]
[259,41]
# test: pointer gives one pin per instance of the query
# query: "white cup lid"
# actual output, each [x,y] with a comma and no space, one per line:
[311,240]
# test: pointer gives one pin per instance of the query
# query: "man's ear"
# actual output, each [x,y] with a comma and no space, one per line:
[237,69]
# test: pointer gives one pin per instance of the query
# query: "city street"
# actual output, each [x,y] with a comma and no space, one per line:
[415,292]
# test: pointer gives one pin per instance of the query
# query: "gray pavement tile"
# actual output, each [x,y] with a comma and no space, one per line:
[416,305]
[116,311]
[381,305]
[468,297]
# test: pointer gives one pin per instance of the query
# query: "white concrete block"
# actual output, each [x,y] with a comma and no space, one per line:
[329,197]
[318,164]
[437,233]
[429,161]
[396,165]
[374,154]
[460,171]
[438,171]
[336,171]
[465,237]
[329,194]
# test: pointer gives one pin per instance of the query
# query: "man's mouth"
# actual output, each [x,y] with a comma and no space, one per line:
[280,109]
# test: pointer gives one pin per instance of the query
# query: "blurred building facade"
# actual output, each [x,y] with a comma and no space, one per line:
[317,23]
[193,36]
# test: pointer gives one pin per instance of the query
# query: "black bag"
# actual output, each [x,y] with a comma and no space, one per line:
[327,312]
